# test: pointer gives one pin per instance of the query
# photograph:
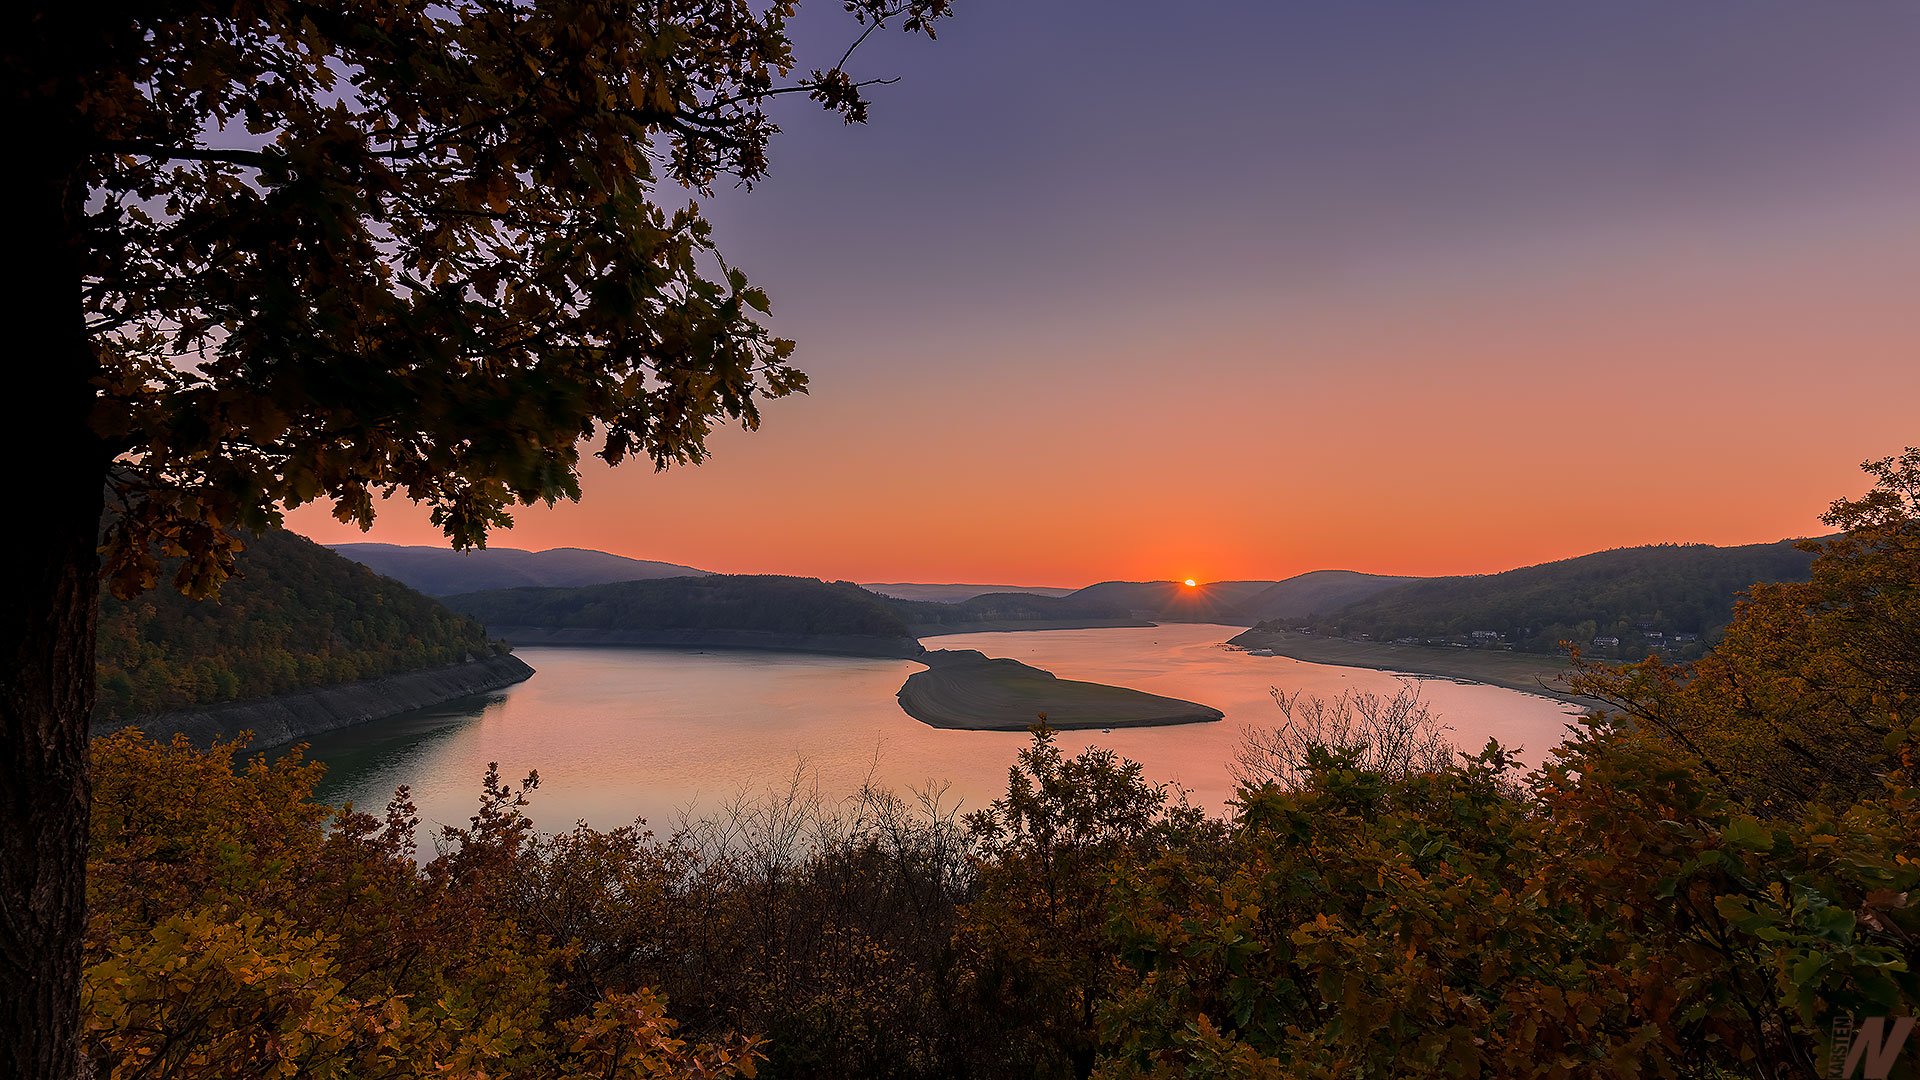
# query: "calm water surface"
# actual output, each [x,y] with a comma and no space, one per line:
[623,733]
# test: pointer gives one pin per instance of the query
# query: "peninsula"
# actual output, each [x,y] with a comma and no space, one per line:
[964,688]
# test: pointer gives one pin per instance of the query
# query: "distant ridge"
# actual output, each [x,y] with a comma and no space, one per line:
[965,688]
[295,619]
[746,611]
[1005,611]
[1173,601]
[954,594]
[1621,604]
[1316,591]
[439,571]
[1230,602]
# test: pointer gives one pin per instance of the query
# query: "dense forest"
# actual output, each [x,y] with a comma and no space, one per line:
[294,616]
[1226,602]
[1172,601]
[759,602]
[1700,886]
[1316,590]
[1001,607]
[1680,596]
[442,571]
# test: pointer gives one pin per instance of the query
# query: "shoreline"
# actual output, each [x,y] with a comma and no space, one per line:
[967,690]
[762,640]
[1527,673]
[1015,626]
[288,718]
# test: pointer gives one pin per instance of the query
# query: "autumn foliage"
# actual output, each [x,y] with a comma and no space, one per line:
[294,617]
[1815,693]
[1639,907]
[1620,918]
[240,929]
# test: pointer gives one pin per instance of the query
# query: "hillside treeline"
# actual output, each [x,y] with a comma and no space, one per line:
[1001,607]
[442,571]
[294,616]
[1698,887]
[1625,593]
[762,602]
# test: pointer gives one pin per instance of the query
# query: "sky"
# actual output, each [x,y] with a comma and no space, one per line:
[1109,289]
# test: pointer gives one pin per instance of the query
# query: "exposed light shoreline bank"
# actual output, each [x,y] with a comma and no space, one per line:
[1526,672]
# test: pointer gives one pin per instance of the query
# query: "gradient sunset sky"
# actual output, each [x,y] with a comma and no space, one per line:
[1244,289]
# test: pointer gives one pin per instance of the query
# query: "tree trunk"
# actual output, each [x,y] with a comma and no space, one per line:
[49,594]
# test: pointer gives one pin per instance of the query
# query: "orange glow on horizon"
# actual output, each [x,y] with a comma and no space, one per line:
[1497,415]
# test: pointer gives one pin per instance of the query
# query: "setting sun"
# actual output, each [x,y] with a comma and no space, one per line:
[1191,583]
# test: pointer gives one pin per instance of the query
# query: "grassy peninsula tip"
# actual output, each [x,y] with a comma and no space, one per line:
[964,688]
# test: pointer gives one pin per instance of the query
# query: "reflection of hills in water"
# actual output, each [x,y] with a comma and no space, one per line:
[354,753]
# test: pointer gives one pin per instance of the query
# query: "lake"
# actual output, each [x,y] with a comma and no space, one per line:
[619,733]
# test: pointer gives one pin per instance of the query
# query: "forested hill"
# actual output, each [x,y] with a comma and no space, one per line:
[440,571]
[954,593]
[1172,601]
[1318,590]
[783,611]
[294,616]
[1641,595]
[934,617]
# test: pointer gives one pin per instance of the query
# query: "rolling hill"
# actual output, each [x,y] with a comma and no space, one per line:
[1632,594]
[1314,592]
[1004,611]
[439,571]
[1172,601]
[294,617]
[713,610]
[953,594]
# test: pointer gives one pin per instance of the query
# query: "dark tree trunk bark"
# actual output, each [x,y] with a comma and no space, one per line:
[48,595]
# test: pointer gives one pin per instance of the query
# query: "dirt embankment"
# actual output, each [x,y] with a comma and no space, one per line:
[290,717]
[1528,672]
[964,688]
